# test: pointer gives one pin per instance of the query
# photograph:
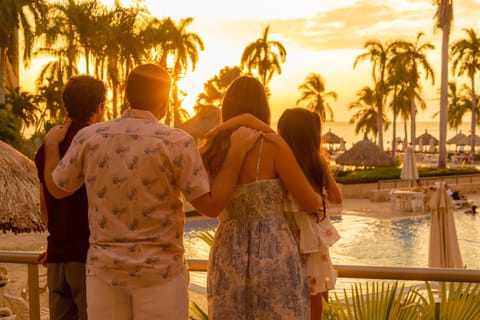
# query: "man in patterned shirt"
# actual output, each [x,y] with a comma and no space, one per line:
[135,170]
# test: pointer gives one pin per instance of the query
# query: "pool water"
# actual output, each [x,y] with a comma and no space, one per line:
[400,242]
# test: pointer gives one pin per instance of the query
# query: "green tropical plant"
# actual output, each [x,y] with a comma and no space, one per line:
[10,128]
[375,301]
[265,56]
[458,301]
[316,98]
[16,15]
[466,59]
[23,105]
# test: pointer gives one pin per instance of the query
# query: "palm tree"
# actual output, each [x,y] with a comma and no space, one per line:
[23,105]
[15,14]
[215,88]
[377,53]
[119,47]
[460,103]
[466,59]
[444,18]
[396,83]
[366,117]
[264,55]
[313,93]
[415,58]
[183,47]
[59,38]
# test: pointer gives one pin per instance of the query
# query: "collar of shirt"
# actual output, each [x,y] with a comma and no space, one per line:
[137,113]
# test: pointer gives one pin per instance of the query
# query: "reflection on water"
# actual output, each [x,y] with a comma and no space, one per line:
[367,241]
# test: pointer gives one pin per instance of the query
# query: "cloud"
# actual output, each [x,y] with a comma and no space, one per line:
[349,27]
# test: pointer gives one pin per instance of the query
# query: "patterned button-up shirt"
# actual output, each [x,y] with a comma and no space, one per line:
[135,170]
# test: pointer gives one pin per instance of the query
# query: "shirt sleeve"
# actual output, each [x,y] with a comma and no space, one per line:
[68,175]
[192,176]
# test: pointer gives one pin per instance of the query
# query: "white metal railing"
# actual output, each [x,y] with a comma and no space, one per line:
[344,271]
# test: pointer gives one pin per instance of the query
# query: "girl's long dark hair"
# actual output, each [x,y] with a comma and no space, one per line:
[301,129]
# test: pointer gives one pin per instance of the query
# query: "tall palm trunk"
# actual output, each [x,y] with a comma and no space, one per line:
[394,138]
[474,114]
[413,119]
[3,57]
[442,158]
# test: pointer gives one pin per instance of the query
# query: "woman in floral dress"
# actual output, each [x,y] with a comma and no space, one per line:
[255,270]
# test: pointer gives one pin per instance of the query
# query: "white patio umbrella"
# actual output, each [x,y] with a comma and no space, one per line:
[409,168]
[444,251]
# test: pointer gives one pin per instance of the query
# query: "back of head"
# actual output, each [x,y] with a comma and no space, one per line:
[246,94]
[301,129]
[148,87]
[81,96]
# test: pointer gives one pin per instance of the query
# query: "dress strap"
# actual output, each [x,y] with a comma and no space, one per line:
[259,158]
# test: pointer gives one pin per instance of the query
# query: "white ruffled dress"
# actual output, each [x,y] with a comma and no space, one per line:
[314,241]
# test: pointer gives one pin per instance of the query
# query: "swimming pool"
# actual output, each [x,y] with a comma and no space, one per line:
[400,242]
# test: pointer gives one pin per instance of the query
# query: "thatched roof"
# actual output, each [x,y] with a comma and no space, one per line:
[477,140]
[425,139]
[365,153]
[202,122]
[19,192]
[459,139]
[331,138]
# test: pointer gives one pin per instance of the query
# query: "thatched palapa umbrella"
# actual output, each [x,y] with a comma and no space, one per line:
[19,192]
[365,153]
[331,138]
[459,139]
[425,139]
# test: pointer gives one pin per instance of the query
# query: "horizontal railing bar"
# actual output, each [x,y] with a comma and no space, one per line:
[394,273]
[344,271]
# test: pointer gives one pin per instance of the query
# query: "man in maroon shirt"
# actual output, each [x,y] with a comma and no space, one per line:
[67,218]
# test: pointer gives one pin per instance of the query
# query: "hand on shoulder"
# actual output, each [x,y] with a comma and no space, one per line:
[56,134]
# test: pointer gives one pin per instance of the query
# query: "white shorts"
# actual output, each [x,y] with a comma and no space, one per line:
[168,301]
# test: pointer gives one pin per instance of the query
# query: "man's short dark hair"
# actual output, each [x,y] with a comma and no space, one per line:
[148,87]
[82,95]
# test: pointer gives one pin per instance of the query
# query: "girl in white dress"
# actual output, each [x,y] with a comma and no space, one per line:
[301,129]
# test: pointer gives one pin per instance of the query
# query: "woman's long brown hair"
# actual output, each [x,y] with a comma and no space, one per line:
[246,94]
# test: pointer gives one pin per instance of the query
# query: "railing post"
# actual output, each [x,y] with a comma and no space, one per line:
[33,292]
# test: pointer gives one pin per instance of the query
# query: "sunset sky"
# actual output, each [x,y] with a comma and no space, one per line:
[322,36]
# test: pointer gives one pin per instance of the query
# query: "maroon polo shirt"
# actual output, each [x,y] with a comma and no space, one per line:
[67,217]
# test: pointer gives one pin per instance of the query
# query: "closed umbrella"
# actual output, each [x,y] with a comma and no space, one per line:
[444,251]
[409,169]
[19,192]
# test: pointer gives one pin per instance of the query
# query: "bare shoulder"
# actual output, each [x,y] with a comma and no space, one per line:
[276,141]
